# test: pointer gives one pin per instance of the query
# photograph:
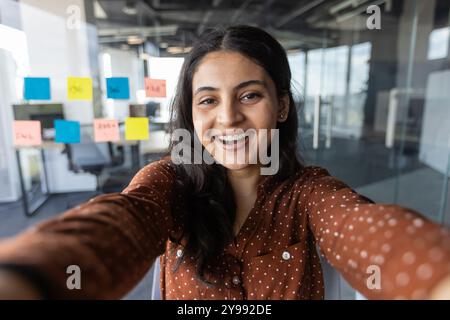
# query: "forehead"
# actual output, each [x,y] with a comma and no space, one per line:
[226,68]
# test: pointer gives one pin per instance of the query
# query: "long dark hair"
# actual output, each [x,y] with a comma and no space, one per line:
[210,207]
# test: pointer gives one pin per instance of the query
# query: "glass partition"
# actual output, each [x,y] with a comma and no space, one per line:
[376,101]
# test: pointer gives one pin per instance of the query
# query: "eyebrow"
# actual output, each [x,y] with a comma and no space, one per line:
[239,86]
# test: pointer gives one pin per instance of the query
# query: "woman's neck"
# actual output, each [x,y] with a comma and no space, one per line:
[244,184]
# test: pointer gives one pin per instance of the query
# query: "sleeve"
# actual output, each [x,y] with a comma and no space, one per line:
[384,251]
[111,241]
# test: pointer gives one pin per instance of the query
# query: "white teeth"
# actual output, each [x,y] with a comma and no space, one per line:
[230,138]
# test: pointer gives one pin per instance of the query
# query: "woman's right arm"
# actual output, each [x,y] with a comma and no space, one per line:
[110,242]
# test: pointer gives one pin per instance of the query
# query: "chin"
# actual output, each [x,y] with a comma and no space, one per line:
[235,166]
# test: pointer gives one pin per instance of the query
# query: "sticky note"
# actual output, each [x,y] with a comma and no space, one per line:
[67,131]
[136,128]
[36,89]
[106,130]
[27,133]
[117,88]
[155,88]
[79,88]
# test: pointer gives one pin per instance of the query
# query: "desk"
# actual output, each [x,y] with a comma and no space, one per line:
[30,209]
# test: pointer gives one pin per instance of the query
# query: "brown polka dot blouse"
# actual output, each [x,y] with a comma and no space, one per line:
[115,238]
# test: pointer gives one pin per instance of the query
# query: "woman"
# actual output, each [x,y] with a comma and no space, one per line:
[222,228]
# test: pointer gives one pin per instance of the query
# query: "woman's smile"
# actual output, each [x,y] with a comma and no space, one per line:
[232,142]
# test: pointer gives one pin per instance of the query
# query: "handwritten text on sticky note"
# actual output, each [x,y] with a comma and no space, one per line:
[27,133]
[155,88]
[136,128]
[79,88]
[117,88]
[106,130]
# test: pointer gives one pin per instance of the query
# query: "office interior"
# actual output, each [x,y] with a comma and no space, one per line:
[373,96]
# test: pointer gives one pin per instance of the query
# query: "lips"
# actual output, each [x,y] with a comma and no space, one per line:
[231,141]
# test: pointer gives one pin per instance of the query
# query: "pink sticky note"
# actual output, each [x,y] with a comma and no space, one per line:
[27,133]
[106,130]
[155,88]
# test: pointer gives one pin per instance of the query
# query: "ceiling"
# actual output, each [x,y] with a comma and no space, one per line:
[173,25]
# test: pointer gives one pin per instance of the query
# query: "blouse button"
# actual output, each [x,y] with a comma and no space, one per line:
[179,253]
[286,255]
[236,280]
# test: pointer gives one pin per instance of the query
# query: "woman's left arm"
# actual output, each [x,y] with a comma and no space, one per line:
[384,251]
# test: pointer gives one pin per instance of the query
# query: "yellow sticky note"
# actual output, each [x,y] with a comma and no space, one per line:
[136,128]
[79,88]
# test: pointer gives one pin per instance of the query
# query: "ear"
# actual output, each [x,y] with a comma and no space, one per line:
[283,108]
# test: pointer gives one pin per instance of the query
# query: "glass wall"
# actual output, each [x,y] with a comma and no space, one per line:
[376,102]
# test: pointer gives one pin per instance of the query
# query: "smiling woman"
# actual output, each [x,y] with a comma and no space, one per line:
[224,230]
[234,81]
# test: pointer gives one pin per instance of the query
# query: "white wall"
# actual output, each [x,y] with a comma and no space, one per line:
[120,63]
[9,178]
[57,51]
[169,69]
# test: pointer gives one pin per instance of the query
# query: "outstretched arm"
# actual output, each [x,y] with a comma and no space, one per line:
[113,239]
[384,251]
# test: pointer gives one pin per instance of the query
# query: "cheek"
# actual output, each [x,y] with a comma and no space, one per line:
[202,122]
[264,117]
[199,115]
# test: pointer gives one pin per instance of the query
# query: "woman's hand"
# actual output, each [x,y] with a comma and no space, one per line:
[15,287]
[442,290]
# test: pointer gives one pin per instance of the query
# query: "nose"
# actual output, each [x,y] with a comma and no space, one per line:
[229,113]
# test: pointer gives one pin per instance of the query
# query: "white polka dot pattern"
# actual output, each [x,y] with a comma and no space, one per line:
[115,238]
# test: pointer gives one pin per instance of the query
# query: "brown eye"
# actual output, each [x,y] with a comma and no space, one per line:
[208,101]
[251,96]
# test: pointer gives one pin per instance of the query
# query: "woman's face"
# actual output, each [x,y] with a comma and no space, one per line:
[234,99]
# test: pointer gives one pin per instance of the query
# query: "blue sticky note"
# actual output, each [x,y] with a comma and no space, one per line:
[36,89]
[67,131]
[117,88]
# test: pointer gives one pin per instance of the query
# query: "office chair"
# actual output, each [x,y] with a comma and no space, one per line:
[92,157]
[87,157]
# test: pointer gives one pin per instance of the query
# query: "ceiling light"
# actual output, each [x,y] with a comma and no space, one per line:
[99,12]
[175,50]
[130,8]
[134,40]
